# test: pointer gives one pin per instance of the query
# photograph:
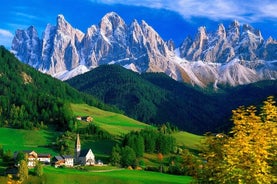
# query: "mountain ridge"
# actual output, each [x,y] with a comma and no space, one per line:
[156,98]
[236,56]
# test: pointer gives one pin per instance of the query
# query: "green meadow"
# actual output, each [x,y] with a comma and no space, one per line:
[72,176]
[116,124]
[17,139]
[188,140]
[102,176]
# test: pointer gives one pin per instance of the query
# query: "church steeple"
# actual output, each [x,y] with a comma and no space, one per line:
[77,148]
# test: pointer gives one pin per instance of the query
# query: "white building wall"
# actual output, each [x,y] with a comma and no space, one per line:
[69,162]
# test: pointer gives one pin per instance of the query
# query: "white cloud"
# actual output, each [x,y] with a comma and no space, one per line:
[269,10]
[5,38]
[5,33]
[246,11]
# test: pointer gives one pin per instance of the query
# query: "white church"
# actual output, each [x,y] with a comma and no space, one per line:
[85,156]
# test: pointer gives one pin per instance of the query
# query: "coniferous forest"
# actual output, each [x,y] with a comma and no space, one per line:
[30,99]
[156,98]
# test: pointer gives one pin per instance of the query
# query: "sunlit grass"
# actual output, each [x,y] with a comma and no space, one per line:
[116,124]
[17,140]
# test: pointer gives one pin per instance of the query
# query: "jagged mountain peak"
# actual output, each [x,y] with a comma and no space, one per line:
[91,30]
[235,23]
[221,30]
[251,30]
[64,51]
[66,28]
[202,30]
[112,21]
[61,22]
[247,27]
[112,16]
[237,41]
[112,25]
[135,25]
[31,29]
[270,40]
[234,27]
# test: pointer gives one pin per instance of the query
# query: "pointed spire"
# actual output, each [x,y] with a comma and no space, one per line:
[77,148]
[78,142]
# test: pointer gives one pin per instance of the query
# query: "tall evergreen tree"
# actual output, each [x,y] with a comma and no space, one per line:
[128,157]
[116,156]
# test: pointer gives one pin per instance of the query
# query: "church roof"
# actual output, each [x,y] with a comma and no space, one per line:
[84,152]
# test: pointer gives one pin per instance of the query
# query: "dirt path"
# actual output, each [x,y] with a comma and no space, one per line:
[110,170]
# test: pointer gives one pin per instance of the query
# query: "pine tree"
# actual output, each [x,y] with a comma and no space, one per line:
[128,157]
[115,156]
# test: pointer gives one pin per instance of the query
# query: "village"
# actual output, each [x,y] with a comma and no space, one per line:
[83,157]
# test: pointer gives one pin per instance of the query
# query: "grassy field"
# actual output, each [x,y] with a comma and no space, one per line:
[120,176]
[188,140]
[16,140]
[71,176]
[116,124]
[101,175]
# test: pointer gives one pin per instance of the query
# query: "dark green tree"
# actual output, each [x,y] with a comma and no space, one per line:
[1,151]
[136,142]
[8,156]
[128,157]
[115,156]
[21,156]
[150,138]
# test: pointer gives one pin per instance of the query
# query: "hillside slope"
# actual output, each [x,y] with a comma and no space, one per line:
[156,98]
[30,99]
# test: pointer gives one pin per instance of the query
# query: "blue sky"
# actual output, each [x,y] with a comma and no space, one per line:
[170,18]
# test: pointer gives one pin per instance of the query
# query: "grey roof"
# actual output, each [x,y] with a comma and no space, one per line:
[84,152]
[44,155]
[67,156]
[27,151]
[58,158]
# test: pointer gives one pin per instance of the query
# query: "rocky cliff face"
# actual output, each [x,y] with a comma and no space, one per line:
[237,55]
[243,42]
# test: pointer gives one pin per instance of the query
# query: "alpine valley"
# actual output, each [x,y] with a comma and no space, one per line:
[212,74]
[230,56]
[141,107]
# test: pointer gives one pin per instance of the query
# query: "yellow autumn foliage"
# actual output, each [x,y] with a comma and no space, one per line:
[248,154]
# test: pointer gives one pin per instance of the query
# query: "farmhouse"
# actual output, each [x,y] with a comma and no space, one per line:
[83,157]
[44,158]
[85,118]
[33,157]
[64,160]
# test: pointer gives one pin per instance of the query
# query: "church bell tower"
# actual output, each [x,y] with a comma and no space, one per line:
[77,148]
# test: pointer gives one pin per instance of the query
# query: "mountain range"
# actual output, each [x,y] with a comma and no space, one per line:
[233,56]
[30,99]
